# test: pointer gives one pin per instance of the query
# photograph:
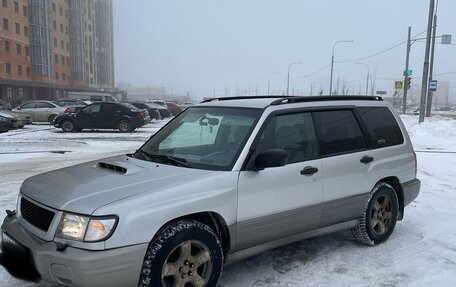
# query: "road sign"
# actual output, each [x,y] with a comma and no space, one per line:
[381,93]
[398,85]
[433,86]
[446,39]
[408,72]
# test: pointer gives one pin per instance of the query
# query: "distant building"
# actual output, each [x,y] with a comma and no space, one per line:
[50,47]
[439,98]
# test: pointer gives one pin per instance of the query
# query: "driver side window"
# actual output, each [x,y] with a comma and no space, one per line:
[293,133]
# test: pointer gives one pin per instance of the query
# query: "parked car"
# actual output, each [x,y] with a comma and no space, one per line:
[174,108]
[40,111]
[72,106]
[22,119]
[164,111]
[223,180]
[7,122]
[4,105]
[104,115]
[185,105]
[153,110]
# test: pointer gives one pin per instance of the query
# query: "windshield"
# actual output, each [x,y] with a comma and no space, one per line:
[207,138]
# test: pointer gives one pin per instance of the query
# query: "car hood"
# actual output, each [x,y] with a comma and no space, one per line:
[85,187]
[16,114]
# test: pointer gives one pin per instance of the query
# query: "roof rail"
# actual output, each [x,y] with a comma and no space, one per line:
[289,100]
[242,98]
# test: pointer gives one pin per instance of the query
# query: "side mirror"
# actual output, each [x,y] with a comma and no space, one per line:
[18,108]
[270,158]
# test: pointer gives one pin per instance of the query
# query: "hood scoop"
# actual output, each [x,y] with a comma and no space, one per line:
[112,167]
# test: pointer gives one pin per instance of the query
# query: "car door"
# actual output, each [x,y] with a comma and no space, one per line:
[88,117]
[110,115]
[282,201]
[28,108]
[347,163]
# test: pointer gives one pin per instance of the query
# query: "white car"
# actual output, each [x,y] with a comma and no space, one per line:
[41,111]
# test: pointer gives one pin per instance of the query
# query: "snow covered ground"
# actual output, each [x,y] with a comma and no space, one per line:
[421,251]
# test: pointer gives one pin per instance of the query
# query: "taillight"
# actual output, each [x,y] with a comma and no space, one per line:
[67,111]
[416,163]
[139,114]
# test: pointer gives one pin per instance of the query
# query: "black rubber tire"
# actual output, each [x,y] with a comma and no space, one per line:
[170,236]
[364,232]
[51,119]
[67,126]
[124,126]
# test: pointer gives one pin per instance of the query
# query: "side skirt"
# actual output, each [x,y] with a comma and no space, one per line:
[239,255]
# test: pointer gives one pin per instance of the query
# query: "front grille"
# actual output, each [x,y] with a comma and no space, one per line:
[36,215]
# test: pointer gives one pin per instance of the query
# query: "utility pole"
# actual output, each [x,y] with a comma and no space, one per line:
[407,59]
[431,69]
[288,77]
[425,81]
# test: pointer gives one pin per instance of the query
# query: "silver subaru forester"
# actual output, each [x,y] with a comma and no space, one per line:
[225,179]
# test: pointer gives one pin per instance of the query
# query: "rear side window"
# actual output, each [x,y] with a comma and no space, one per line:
[338,132]
[383,128]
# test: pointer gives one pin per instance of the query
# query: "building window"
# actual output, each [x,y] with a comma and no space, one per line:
[16,7]
[61,28]
[8,68]
[63,76]
[62,44]
[67,46]
[66,13]
[27,71]
[18,49]
[6,46]
[68,61]
[5,3]
[27,51]
[26,31]
[66,30]
[54,24]
[62,60]
[61,11]
[25,10]
[53,7]
[5,24]
[56,59]
[55,42]
[56,75]
[19,70]
[18,28]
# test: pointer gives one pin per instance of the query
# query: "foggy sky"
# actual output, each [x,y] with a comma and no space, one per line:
[202,45]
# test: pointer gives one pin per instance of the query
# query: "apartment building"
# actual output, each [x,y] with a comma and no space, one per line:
[51,47]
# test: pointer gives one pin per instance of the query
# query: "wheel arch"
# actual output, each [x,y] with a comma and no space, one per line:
[396,184]
[215,221]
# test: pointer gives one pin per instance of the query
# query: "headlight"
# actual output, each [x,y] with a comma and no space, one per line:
[2,119]
[85,228]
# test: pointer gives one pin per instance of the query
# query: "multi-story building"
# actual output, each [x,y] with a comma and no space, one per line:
[50,47]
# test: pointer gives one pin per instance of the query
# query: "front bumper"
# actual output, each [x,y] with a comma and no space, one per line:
[411,189]
[72,266]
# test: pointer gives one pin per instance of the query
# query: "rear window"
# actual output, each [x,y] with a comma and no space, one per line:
[338,132]
[383,128]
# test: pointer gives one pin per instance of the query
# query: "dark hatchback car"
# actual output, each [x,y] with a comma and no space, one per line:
[104,115]
[154,113]
[7,122]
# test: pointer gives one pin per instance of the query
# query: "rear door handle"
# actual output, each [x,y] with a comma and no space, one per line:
[309,171]
[366,159]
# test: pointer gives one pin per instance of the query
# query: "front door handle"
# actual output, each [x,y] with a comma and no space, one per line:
[309,171]
[366,159]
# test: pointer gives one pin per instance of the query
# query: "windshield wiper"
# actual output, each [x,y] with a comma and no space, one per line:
[163,158]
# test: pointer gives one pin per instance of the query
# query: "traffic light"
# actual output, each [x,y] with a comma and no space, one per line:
[408,83]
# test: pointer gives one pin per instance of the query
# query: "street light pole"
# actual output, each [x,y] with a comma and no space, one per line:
[269,81]
[332,62]
[288,78]
[367,83]
[425,81]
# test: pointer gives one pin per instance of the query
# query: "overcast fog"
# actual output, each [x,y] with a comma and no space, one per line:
[205,46]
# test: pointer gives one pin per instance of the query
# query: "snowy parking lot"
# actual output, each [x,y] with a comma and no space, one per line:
[421,251]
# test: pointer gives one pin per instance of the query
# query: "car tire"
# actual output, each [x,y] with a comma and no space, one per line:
[67,126]
[184,252]
[379,217]
[51,119]
[124,126]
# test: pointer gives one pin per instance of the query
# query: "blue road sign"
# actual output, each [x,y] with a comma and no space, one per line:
[433,86]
